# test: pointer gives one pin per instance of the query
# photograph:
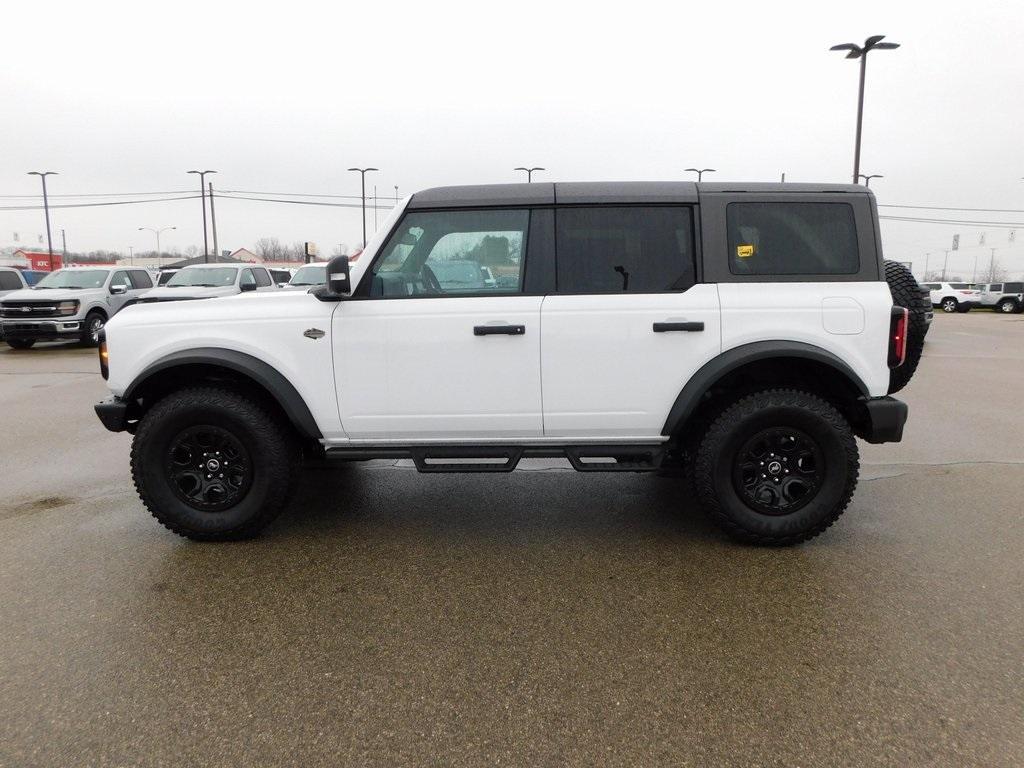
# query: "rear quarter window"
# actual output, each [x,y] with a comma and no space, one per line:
[792,238]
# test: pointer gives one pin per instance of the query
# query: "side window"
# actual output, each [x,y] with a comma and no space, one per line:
[792,239]
[451,253]
[247,278]
[9,281]
[120,278]
[140,279]
[624,250]
[994,288]
[262,278]
[932,286]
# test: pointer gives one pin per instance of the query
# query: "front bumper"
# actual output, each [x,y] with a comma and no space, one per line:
[42,330]
[885,417]
[113,412]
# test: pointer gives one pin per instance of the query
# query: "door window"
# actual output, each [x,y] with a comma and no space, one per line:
[262,278]
[602,249]
[247,278]
[120,278]
[994,288]
[140,279]
[792,239]
[453,253]
[9,281]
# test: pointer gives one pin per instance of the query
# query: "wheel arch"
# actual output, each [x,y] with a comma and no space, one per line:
[210,364]
[96,307]
[767,363]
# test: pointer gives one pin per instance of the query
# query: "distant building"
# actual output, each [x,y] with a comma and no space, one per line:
[244,254]
[39,260]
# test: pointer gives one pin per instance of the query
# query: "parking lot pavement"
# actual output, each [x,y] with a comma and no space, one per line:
[537,618]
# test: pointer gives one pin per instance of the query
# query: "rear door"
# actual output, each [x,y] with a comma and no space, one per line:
[628,324]
[422,353]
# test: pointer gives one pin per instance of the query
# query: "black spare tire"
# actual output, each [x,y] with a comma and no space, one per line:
[907,293]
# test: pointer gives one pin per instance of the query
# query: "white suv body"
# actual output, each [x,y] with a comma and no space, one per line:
[954,297]
[1006,297]
[662,298]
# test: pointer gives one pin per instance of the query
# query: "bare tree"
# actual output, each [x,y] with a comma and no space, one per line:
[269,249]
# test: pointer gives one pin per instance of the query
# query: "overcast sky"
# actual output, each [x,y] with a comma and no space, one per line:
[282,98]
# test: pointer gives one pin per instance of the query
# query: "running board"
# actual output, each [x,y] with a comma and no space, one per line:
[505,458]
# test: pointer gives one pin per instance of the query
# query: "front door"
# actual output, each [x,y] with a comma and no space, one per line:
[628,326]
[440,341]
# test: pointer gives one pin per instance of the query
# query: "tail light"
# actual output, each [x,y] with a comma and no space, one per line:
[899,324]
[104,357]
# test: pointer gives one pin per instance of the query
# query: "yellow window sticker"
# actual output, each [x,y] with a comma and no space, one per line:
[744,251]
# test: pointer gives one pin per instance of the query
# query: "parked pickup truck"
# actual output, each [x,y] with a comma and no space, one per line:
[745,334]
[70,304]
[205,281]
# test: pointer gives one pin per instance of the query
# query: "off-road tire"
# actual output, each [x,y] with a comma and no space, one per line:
[906,292]
[721,444]
[963,309]
[272,451]
[950,305]
[20,343]
[87,339]
[1007,306]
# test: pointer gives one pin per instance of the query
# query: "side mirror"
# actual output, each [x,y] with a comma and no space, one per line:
[118,290]
[246,287]
[338,279]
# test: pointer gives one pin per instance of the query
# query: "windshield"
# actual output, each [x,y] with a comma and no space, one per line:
[216,277]
[310,275]
[75,279]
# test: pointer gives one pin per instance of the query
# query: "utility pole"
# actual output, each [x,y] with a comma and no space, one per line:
[944,265]
[64,243]
[213,225]
[396,194]
[992,266]
[374,207]
[362,177]
[131,255]
[861,52]
[46,208]
[202,195]
[926,257]
[974,274]
[783,177]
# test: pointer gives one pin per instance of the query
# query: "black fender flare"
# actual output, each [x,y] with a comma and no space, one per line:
[264,374]
[713,370]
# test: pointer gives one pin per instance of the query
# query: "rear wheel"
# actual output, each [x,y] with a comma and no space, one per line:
[213,465]
[20,343]
[950,305]
[963,308]
[777,467]
[1007,306]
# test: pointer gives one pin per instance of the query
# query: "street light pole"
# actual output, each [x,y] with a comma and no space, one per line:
[861,52]
[945,264]
[529,172]
[362,179]
[213,225]
[701,171]
[202,196]
[157,233]
[64,245]
[869,177]
[46,208]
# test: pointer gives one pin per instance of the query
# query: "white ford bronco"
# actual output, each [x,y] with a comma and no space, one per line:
[740,335]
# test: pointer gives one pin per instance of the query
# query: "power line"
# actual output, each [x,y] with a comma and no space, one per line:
[95,205]
[297,202]
[957,222]
[941,208]
[102,194]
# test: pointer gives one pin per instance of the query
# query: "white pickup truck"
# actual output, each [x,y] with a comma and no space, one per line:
[742,332]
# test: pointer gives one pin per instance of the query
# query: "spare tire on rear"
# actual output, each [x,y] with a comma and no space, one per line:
[907,293]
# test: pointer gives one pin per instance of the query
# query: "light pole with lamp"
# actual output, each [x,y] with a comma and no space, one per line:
[46,208]
[701,171]
[868,177]
[861,52]
[157,233]
[529,172]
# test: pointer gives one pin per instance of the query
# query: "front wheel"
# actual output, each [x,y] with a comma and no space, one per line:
[1007,306]
[212,465]
[777,467]
[950,305]
[91,328]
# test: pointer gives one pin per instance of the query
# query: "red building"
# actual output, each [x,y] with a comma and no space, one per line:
[40,260]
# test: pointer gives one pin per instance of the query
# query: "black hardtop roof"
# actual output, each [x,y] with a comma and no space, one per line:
[582,192]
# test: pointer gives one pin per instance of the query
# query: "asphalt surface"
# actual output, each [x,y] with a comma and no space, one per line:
[538,618]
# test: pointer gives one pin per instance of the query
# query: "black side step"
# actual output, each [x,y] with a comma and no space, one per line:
[505,458]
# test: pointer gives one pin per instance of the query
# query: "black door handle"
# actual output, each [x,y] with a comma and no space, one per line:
[491,330]
[691,326]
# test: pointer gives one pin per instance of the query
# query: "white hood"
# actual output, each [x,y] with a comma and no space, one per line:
[46,294]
